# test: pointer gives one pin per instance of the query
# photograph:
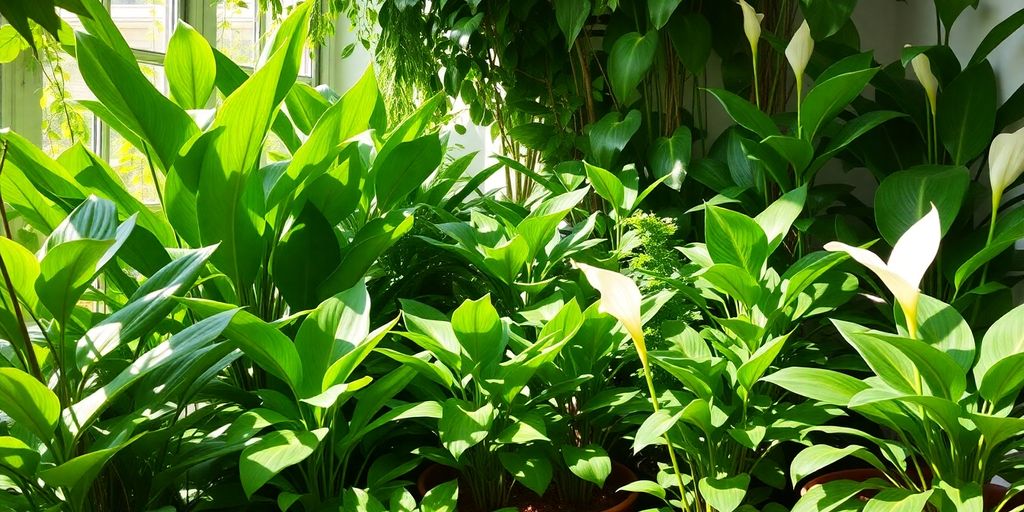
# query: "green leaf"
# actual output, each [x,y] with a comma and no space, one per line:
[122,88]
[607,185]
[1000,356]
[967,113]
[827,99]
[654,427]
[724,494]
[670,156]
[591,463]
[818,456]
[529,467]
[11,44]
[826,17]
[230,194]
[997,35]
[274,452]
[78,474]
[461,426]
[609,136]
[150,304]
[690,33]
[753,369]
[571,15]
[735,239]
[1009,228]
[335,328]
[29,403]
[23,269]
[370,242]
[525,429]
[645,486]
[329,398]
[949,10]
[825,386]
[661,11]
[777,219]
[306,104]
[65,273]
[443,498]
[628,62]
[17,455]
[746,114]
[850,132]
[736,282]
[190,66]
[480,332]
[264,344]
[905,197]
[404,169]
[898,500]
[304,258]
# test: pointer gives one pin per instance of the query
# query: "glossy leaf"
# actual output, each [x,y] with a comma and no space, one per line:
[462,426]
[967,113]
[404,169]
[529,467]
[369,243]
[591,463]
[29,403]
[905,197]
[746,114]
[670,156]
[735,239]
[274,452]
[827,99]
[190,66]
[628,62]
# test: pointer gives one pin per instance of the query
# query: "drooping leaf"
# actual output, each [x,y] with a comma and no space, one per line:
[591,463]
[631,57]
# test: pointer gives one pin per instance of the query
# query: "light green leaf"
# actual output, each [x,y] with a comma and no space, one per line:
[461,426]
[724,494]
[826,386]
[609,136]
[654,427]
[746,114]
[362,252]
[777,219]
[274,452]
[819,456]
[29,403]
[190,67]
[735,239]
[443,498]
[529,467]
[590,463]
[735,282]
[628,62]
[1001,356]
[480,332]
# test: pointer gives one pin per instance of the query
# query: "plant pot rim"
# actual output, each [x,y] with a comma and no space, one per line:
[626,504]
[991,491]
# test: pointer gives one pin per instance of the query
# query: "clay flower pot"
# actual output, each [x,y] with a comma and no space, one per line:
[992,494]
[436,474]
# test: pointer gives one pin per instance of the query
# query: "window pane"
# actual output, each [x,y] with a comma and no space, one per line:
[236,31]
[143,23]
[64,122]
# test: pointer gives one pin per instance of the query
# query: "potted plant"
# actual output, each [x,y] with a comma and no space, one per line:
[947,403]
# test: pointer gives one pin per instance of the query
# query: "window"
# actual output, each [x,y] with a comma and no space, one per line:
[234,27]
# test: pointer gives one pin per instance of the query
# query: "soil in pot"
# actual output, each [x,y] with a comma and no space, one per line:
[993,494]
[605,500]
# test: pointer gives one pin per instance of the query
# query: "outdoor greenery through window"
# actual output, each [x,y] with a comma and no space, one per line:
[750,256]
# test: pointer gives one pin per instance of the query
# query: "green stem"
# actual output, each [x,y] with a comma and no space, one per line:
[668,442]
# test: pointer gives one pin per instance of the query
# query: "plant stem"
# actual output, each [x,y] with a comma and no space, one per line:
[668,442]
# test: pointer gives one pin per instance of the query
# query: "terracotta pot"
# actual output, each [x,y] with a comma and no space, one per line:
[436,474]
[992,493]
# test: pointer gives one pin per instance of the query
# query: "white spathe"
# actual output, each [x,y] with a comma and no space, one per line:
[910,259]
[751,25]
[620,298]
[800,48]
[1005,162]
[923,69]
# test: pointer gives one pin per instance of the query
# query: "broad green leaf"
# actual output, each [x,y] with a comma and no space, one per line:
[17,455]
[11,44]
[628,62]
[306,104]
[905,197]
[724,494]
[850,132]
[735,282]
[967,113]
[404,169]
[826,386]
[480,332]
[230,195]
[591,463]
[661,11]
[506,260]
[304,258]
[462,426]
[819,456]
[151,304]
[29,403]
[796,151]
[826,17]
[998,35]
[949,10]
[65,273]
[337,326]
[654,427]
[735,239]
[525,429]
[346,118]
[670,156]
[645,486]
[190,67]
[443,498]
[690,33]
[369,243]
[264,344]
[1009,228]
[122,88]
[997,429]
[778,218]
[609,136]
[746,114]
[898,500]
[1000,355]
[329,398]
[412,127]
[828,98]
[343,367]
[529,467]
[942,327]
[182,345]
[23,270]
[77,475]
[571,15]
[754,368]
[274,452]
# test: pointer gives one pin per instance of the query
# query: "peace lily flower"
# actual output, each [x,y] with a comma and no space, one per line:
[799,51]
[752,28]
[910,258]
[621,299]
[923,69]
[1005,163]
